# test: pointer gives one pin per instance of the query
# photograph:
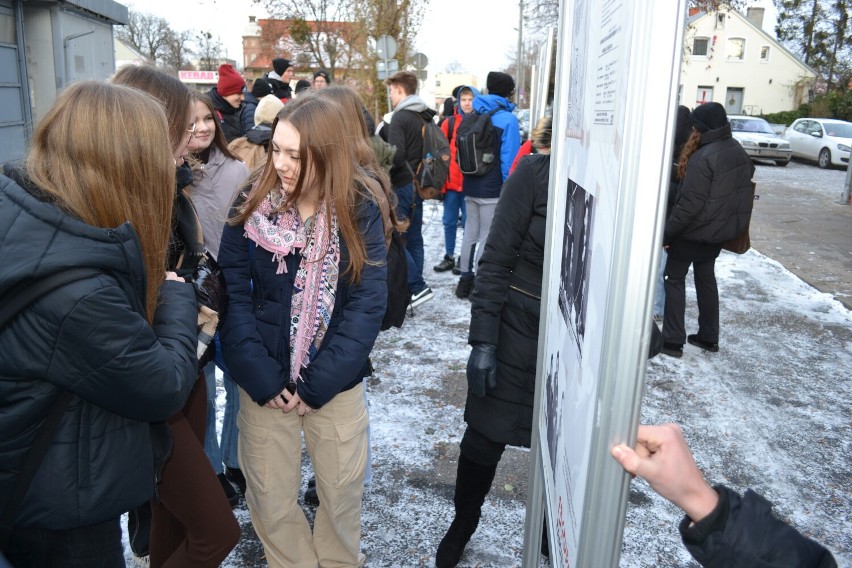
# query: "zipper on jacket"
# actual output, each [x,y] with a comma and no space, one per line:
[524,292]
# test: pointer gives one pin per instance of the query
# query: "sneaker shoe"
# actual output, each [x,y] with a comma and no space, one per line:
[444,265]
[672,350]
[233,498]
[235,476]
[464,287]
[421,297]
[311,497]
[705,345]
[457,266]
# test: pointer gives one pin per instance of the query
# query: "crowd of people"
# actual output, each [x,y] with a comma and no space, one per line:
[270,210]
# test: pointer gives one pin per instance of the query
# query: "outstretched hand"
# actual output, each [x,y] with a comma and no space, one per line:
[664,460]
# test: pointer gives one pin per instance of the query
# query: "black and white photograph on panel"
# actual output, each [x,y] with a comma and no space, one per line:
[554,394]
[576,252]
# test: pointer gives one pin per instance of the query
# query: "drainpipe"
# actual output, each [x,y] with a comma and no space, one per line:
[65,44]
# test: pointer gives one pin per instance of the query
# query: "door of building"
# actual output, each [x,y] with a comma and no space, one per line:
[734,100]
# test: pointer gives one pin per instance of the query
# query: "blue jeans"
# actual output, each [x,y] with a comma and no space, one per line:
[410,206]
[660,295]
[453,204]
[98,546]
[226,453]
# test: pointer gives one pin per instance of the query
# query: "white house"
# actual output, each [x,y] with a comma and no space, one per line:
[729,59]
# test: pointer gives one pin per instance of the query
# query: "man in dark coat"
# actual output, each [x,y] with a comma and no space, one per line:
[279,78]
[228,99]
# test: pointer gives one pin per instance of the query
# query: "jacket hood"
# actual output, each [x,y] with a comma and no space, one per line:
[260,135]
[219,103]
[487,103]
[37,238]
[412,103]
[715,135]
[473,90]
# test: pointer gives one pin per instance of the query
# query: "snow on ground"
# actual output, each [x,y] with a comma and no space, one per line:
[770,411]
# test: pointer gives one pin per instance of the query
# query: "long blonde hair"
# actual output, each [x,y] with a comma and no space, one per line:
[335,171]
[102,152]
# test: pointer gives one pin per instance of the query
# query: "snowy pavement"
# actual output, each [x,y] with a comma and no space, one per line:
[771,411]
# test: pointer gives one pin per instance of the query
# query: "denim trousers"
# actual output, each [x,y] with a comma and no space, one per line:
[98,546]
[226,452]
[410,206]
[660,294]
[453,205]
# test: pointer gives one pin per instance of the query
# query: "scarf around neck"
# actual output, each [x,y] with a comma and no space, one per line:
[283,233]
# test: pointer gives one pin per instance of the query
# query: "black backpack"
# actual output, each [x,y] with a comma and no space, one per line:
[475,144]
[434,168]
[398,294]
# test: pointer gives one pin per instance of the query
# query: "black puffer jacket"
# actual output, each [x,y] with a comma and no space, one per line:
[742,532]
[89,337]
[506,303]
[232,120]
[714,201]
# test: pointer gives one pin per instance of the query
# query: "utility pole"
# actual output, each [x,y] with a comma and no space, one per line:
[520,66]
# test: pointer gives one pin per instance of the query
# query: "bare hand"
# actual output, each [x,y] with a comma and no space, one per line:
[278,402]
[174,276]
[664,460]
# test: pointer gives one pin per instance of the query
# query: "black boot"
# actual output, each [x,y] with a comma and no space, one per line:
[473,481]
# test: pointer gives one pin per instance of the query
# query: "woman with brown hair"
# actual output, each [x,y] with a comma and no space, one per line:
[712,205]
[303,261]
[191,519]
[121,341]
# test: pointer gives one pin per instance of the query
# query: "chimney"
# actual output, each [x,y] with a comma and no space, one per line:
[755,16]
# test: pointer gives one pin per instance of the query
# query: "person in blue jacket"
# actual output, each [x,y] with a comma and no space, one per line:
[482,192]
[304,262]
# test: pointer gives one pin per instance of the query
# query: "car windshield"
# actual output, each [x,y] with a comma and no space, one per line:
[838,130]
[755,125]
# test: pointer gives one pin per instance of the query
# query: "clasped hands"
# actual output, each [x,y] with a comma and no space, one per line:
[287,401]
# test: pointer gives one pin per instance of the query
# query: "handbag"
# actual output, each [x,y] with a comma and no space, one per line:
[741,243]
[16,301]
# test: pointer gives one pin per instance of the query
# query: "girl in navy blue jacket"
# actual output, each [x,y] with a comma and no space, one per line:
[303,260]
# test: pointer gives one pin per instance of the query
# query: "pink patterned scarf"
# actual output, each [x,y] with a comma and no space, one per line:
[315,286]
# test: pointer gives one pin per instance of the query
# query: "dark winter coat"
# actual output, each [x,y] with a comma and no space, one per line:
[280,89]
[507,142]
[230,118]
[91,338]
[742,532]
[406,134]
[715,199]
[506,303]
[247,116]
[255,333]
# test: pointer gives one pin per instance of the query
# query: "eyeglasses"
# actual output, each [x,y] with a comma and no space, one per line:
[191,130]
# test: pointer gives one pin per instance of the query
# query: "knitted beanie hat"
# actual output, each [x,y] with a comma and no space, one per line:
[324,74]
[499,84]
[230,82]
[302,85]
[281,65]
[709,116]
[260,88]
[267,109]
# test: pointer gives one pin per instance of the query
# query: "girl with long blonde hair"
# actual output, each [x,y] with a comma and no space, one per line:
[121,341]
[304,266]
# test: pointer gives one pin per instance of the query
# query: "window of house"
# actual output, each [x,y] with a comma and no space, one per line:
[700,46]
[704,95]
[720,20]
[764,53]
[736,49]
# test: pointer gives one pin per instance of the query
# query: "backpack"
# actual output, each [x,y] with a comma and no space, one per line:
[434,168]
[398,294]
[475,144]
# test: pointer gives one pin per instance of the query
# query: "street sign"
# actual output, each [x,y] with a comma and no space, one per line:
[419,61]
[386,68]
[386,47]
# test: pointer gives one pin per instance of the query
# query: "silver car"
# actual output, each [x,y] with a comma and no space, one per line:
[759,140]
[825,140]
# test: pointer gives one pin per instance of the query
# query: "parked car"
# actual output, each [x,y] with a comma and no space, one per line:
[759,140]
[825,140]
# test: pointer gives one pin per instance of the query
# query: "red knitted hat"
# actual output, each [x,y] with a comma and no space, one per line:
[230,82]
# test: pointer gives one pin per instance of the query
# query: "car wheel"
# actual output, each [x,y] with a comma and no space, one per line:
[824,158]
[782,163]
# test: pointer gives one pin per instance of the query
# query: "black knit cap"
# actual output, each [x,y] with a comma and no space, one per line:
[302,85]
[709,116]
[280,65]
[456,91]
[500,84]
[260,88]
[324,74]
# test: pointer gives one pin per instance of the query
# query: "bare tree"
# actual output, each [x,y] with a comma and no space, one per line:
[147,34]
[209,50]
[178,50]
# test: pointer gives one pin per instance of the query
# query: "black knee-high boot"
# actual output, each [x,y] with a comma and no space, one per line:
[473,481]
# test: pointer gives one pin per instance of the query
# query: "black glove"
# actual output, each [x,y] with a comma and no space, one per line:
[482,368]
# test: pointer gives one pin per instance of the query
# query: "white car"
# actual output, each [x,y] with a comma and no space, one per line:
[825,140]
[759,140]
